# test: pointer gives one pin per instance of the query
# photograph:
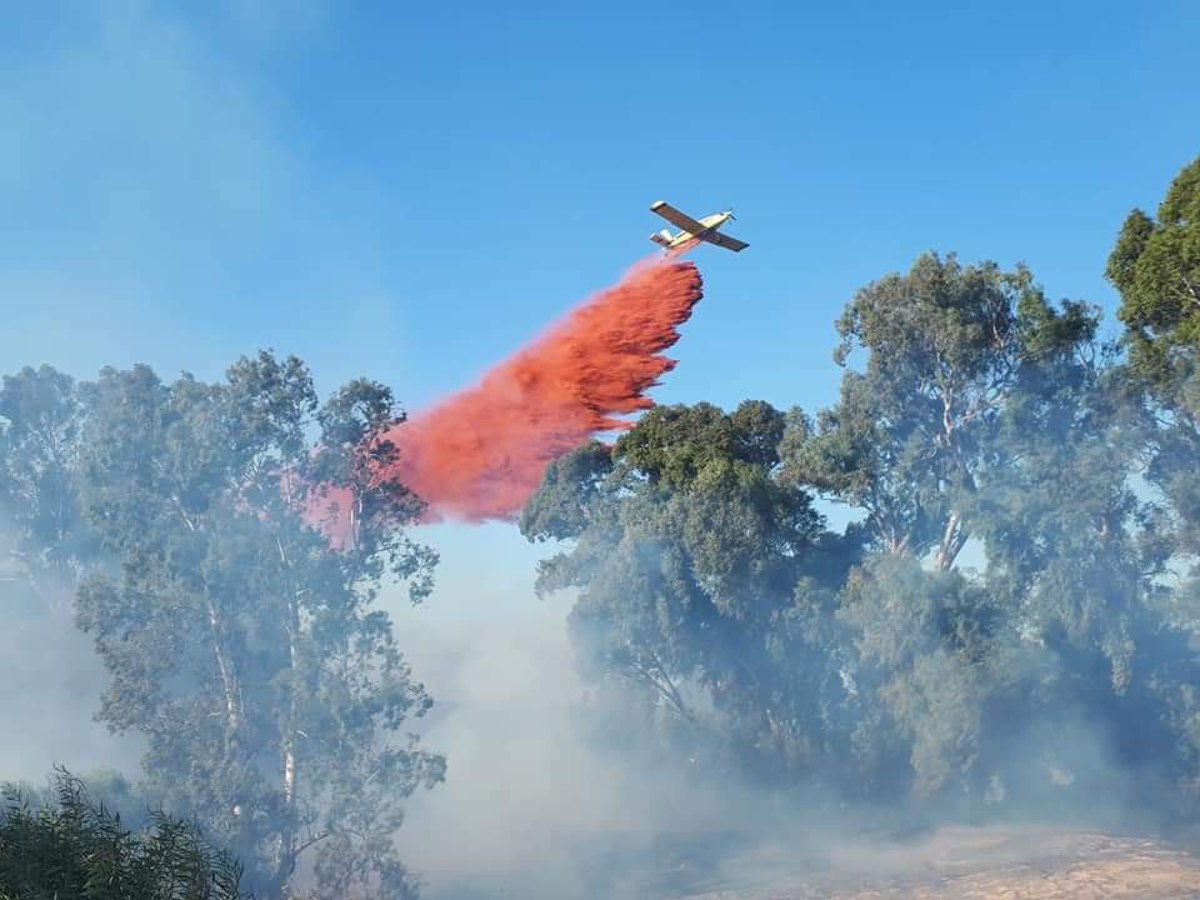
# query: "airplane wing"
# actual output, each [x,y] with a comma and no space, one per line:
[724,240]
[676,218]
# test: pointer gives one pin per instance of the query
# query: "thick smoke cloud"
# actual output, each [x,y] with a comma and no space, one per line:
[535,806]
[532,807]
[52,682]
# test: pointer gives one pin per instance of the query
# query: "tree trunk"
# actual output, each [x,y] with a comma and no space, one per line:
[233,719]
[953,539]
[285,855]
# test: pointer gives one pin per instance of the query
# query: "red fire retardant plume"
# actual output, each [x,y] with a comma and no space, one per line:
[480,454]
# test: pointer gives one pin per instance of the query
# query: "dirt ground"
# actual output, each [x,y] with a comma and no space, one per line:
[974,864]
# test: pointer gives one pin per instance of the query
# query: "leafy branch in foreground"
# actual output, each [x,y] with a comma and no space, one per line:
[76,847]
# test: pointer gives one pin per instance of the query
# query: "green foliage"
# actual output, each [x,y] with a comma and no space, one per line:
[42,533]
[355,455]
[946,346]
[930,651]
[1156,267]
[700,572]
[712,604]
[982,415]
[241,646]
[75,847]
[983,412]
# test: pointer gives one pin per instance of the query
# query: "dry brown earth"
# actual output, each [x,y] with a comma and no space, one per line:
[977,864]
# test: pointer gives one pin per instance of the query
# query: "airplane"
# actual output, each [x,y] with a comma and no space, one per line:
[703,230]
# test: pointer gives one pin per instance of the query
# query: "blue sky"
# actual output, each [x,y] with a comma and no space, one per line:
[411,191]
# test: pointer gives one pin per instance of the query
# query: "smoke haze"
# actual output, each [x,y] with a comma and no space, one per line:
[531,806]
[53,680]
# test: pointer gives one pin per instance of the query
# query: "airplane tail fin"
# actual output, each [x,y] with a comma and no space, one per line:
[662,238]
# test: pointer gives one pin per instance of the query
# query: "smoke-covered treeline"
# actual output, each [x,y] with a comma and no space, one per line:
[244,651]
[1010,622]
[1012,618]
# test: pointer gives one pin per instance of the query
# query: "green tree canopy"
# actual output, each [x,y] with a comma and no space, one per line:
[946,346]
[877,659]
[244,649]
[43,537]
[1156,267]
[700,573]
[983,411]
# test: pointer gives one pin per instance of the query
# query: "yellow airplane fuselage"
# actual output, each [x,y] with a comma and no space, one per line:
[716,220]
[691,230]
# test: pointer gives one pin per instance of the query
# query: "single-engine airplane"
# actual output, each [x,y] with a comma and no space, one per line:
[703,230]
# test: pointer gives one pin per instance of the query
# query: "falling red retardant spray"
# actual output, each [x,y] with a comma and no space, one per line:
[481,454]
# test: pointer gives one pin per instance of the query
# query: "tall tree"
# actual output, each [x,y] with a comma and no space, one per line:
[1156,267]
[701,575]
[945,347]
[984,412]
[42,534]
[241,645]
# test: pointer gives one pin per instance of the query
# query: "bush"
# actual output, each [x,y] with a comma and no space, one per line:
[75,847]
